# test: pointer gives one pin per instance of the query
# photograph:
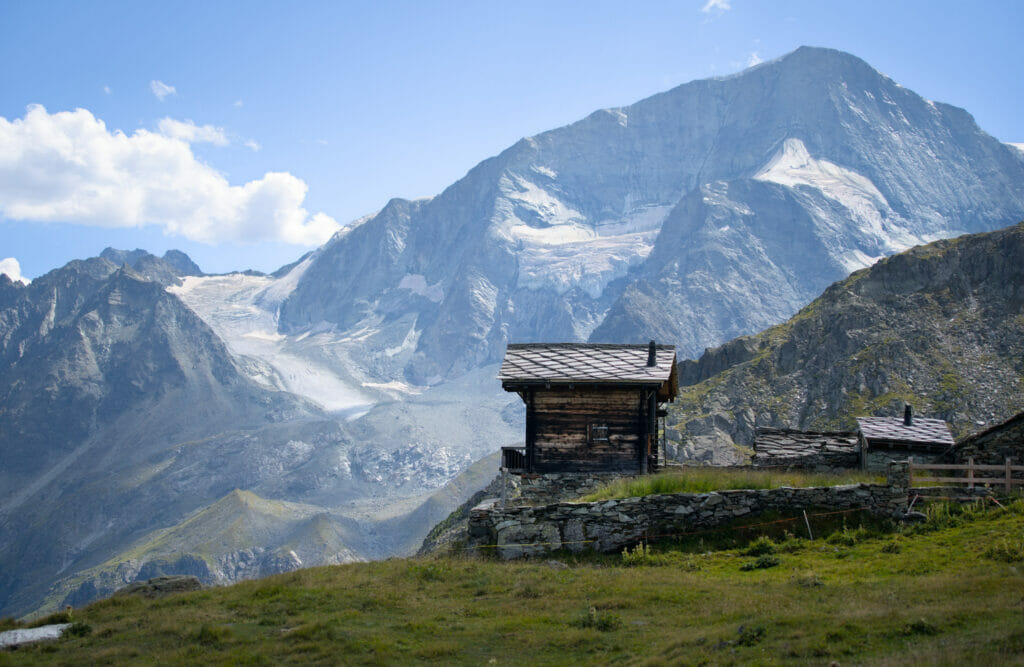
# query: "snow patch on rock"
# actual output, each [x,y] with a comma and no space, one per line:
[12,638]
[792,166]
[418,284]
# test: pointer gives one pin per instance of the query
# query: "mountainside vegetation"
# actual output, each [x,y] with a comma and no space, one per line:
[864,593]
[939,327]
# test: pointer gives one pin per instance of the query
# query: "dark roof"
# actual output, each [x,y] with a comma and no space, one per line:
[587,363]
[926,432]
[787,443]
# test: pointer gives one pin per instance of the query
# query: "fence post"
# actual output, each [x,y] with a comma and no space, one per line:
[910,472]
[1009,475]
[970,472]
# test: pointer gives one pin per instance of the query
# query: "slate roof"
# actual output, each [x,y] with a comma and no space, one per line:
[776,444]
[926,432]
[587,363]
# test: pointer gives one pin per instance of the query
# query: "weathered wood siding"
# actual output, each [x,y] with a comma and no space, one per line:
[560,421]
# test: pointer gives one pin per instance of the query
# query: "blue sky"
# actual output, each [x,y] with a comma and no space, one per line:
[244,133]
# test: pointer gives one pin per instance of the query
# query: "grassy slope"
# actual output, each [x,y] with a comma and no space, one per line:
[938,596]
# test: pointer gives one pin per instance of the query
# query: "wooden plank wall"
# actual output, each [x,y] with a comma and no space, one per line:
[560,421]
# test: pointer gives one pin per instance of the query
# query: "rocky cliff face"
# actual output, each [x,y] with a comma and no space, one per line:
[706,212]
[940,326]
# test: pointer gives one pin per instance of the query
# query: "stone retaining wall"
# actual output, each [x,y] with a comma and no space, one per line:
[611,525]
[544,489]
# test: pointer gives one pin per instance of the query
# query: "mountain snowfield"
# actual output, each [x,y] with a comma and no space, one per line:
[242,310]
[358,381]
[864,205]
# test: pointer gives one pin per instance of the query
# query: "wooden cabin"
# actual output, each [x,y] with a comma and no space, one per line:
[590,407]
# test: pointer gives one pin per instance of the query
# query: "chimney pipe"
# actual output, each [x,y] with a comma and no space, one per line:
[652,354]
[908,415]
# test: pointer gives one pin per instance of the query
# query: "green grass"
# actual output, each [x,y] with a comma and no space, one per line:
[703,480]
[948,592]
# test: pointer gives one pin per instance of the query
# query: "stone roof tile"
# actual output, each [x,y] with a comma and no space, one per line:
[585,362]
[921,431]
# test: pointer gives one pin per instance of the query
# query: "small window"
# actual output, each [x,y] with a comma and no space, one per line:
[597,433]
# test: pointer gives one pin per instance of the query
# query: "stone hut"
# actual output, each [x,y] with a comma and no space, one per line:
[884,439]
[590,408]
[995,444]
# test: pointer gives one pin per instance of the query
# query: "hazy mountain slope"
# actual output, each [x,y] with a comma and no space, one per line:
[120,410]
[240,536]
[940,326]
[692,196]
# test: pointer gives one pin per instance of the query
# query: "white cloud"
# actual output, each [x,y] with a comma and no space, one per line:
[191,133]
[12,269]
[754,59]
[252,145]
[106,89]
[238,104]
[67,167]
[161,89]
[716,5]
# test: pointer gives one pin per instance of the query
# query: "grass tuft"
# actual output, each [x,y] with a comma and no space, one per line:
[760,547]
[760,563]
[1006,550]
[598,620]
[639,555]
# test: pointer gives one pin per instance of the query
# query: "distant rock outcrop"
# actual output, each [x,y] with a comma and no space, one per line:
[158,587]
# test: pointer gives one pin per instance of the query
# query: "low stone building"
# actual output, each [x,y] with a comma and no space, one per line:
[995,444]
[885,439]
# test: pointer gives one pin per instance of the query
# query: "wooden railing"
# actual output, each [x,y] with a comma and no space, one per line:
[970,476]
[513,459]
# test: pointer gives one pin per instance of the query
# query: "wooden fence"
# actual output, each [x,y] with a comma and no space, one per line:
[1003,473]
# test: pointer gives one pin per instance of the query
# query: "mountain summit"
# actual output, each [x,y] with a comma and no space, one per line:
[705,212]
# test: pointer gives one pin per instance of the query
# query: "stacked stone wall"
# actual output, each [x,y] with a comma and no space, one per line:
[611,525]
[880,459]
[544,489]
